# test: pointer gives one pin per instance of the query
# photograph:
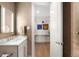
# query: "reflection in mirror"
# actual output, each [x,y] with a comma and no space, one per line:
[7,20]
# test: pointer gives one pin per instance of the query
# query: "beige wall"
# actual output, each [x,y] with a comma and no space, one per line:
[29,31]
[9,5]
[75,28]
[24,19]
[23,16]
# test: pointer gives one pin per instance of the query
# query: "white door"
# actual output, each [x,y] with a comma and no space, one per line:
[56,30]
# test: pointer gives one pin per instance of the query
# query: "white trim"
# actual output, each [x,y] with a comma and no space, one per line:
[32,24]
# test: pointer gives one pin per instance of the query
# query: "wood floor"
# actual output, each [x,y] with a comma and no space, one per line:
[42,49]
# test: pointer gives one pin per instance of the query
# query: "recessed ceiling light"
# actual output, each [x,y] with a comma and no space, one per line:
[37,11]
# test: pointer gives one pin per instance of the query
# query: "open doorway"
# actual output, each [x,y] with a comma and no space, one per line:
[41,30]
[47,29]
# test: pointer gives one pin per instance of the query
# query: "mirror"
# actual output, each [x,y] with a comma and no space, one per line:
[7,20]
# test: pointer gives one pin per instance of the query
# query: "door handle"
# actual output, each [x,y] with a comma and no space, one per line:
[77,33]
[59,43]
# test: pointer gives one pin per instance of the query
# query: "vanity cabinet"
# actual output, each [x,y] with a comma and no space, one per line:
[14,48]
[22,49]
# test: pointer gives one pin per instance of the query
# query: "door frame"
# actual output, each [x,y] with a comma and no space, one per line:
[67,29]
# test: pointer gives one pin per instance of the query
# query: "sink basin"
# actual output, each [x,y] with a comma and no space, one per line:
[15,41]
[4,40]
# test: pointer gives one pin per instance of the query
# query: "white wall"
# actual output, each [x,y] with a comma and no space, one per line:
[42,13]
[43,10]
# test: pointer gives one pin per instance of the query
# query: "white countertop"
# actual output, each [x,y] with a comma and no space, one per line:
[16,41]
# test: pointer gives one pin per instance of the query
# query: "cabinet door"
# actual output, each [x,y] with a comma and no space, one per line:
[25,48]
[21,50]
[11,50]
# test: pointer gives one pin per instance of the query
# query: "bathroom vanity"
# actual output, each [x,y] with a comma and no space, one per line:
[16,47]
